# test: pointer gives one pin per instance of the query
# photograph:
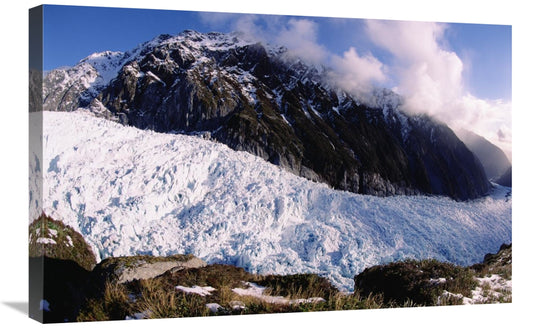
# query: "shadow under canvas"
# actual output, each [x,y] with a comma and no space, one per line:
[21,307]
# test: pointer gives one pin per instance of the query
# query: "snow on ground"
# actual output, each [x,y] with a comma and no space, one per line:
[213,307]
[257,291]
[491,290]
[199,290]
[139,315]
[42,240]
[129,191]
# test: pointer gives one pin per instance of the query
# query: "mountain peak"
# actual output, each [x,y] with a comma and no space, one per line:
[102,56]
[257,98]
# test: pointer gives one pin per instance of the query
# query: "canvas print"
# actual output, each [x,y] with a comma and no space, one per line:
[204,164]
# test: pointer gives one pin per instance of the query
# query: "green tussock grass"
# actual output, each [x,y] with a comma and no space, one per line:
[99,297]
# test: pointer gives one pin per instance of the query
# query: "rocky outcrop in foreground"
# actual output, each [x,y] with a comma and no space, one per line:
[129,268]
[430,282]
[140,287]
[52,238]
[67,285]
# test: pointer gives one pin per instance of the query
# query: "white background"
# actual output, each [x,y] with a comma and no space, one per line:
[14,154]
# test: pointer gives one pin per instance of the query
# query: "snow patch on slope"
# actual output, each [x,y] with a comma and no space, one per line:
[107,64]
[129,191]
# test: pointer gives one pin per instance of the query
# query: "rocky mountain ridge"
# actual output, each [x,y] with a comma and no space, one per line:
[493,159]
[258,98]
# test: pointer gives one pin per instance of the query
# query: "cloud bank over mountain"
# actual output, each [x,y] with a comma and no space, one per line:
[420,65]
[431,78]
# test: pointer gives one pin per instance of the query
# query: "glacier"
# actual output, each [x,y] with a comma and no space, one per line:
[130,191]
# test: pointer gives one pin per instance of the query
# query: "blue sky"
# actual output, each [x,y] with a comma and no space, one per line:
[73,32]
[450,71]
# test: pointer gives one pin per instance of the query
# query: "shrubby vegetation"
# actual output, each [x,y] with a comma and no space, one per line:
[77,290]
[54,239]
[419,282]
[400,284]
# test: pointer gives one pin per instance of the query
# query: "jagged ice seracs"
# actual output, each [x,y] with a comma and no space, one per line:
[131,191]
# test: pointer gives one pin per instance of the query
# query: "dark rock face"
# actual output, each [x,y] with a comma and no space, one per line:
[507,178]
[442,164]
[493,159]
[259,100]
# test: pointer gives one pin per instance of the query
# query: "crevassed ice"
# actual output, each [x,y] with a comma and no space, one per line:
[129,191]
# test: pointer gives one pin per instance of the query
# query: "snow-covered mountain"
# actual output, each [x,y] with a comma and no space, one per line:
[260,99]
[130,191]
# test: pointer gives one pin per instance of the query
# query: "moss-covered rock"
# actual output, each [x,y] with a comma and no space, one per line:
[500,263]
[129,268]
[421,282]
[54,239]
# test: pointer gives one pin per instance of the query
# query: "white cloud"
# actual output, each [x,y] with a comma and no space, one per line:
[430,77]
[357,73]
[353,72]
[300,38]
[246,24]
[215,19]
[488,118]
